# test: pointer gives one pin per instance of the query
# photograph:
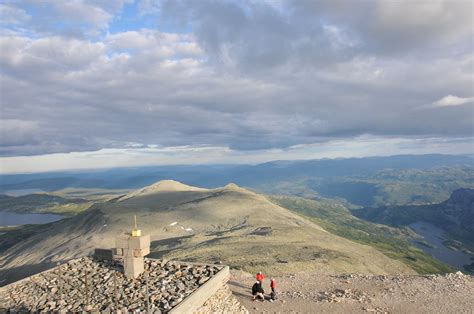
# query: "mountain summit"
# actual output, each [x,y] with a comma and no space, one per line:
[162,186]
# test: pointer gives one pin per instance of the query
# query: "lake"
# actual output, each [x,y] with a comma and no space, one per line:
[14,219]
[435,237]
[21,192]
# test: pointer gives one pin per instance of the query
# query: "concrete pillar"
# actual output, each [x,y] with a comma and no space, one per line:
[133,249]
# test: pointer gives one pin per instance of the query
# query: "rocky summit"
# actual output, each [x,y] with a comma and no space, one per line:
[87,284]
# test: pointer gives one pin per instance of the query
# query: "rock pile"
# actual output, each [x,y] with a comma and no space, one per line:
[451,276]
[339,295]
[90,285]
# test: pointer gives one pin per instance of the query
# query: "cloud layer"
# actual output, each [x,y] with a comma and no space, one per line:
[252,75]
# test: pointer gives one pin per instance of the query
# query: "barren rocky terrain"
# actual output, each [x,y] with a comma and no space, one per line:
[310,292]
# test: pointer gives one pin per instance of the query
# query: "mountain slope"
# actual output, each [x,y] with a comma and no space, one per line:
[229,224]
[43,203]
[337,219]
[455,215]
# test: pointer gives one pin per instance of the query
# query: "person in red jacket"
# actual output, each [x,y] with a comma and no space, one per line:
[273,295]
[260,277]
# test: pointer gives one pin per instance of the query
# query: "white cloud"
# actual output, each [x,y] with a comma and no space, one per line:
[452,100]
[80,11]
[132,40]
[12,15]
[154,44]
[72,18]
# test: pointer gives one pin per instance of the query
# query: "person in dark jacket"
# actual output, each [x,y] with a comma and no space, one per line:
[257,291]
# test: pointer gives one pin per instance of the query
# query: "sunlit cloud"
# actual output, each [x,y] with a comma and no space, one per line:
[451,100]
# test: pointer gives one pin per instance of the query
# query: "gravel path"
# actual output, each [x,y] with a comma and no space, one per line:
[323,293]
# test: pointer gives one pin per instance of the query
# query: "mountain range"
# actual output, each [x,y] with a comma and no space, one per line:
[229,224]
[368,181]
[342,215]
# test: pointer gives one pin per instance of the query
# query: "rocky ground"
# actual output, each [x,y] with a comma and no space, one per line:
[319,292]
[167,283]
[87,284]
[223,301]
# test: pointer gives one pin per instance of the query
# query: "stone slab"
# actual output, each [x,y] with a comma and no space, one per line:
[105,254]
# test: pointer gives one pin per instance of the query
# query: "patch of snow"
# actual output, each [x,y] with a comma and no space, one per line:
[174,223]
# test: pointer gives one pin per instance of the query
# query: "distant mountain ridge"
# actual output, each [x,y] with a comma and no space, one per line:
[210,176]
[461,198]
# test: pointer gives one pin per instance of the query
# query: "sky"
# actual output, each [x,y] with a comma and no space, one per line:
[111,83]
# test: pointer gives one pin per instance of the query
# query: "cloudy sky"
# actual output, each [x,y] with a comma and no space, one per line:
[105,83]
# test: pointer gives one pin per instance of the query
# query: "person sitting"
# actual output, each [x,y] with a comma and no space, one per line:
[257,291]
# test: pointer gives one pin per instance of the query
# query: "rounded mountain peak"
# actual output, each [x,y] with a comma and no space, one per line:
[162,186]
[235,188]
[170,185]
[232,186]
